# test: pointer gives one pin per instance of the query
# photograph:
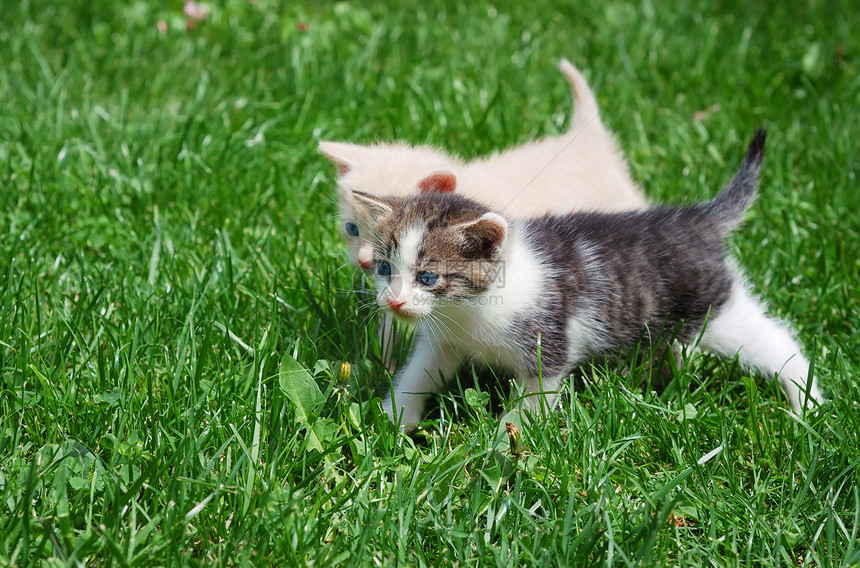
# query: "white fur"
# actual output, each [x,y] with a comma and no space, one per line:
[424,374]
[581,169]
[762,344]
[401,287]
[480,325]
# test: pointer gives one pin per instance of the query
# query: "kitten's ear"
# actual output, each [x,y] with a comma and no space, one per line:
[486,234]
[338,153]
[438,181]
[376,207]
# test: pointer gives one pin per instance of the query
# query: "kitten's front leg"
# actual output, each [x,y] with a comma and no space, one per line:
[764,345]
[424,374]
[539,392]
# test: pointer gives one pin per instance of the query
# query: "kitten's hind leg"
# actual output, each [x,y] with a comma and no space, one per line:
[763,344]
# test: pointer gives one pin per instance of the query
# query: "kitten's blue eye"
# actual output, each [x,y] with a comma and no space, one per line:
[384,269]
[352,229]
[427,278]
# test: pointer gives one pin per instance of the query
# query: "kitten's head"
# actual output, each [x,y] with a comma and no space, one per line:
[433,251]
[382,169]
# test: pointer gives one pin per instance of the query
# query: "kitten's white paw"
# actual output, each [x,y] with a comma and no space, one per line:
[405,416]
[814,399]
[801,396]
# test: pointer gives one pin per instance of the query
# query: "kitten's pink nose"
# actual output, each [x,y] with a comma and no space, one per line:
[365,264]
[395,305]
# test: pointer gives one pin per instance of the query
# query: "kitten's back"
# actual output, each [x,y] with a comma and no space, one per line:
[663,262]
[580,170]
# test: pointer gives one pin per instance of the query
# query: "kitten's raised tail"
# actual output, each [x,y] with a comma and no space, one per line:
[727,208]
[585,109]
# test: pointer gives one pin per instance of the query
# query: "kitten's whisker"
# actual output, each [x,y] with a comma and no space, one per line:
[441,332]
[451,319]
[371,306]
[432,329]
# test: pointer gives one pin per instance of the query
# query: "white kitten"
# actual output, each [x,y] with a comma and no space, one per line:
[580,170]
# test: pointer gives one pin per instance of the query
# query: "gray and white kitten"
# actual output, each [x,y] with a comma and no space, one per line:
[480,287]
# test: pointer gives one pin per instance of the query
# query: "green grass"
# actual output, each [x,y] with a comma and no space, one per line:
[168,250]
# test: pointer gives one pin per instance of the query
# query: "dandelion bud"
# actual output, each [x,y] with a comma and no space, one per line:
[343,374]
[515,439]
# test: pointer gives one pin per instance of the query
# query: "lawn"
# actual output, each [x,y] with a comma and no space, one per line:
[175,302]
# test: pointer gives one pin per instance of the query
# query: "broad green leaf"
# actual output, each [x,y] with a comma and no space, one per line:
[300,388]
[476,399]
[359,450]
[321,366]
[354,415]
[321,433]
[110,397]
[79,483]
[502,442]
[689,412]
